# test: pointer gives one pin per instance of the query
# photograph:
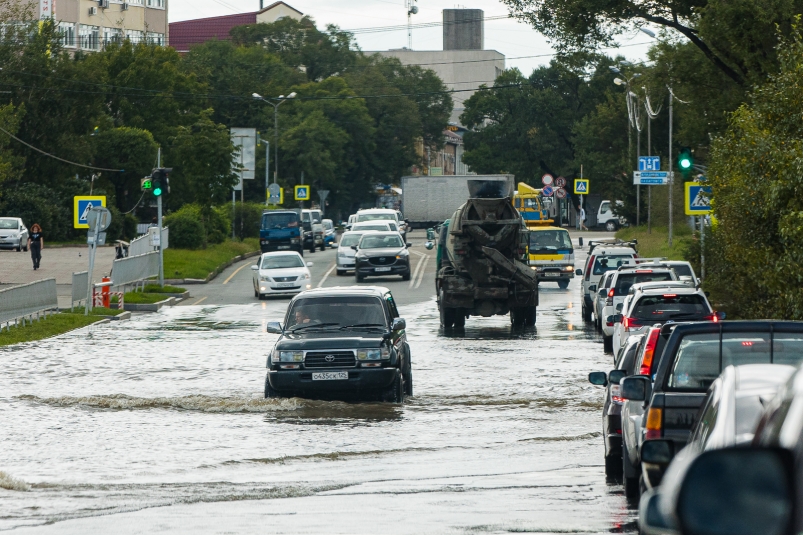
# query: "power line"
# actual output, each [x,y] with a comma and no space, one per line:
[56,157]
[434,24]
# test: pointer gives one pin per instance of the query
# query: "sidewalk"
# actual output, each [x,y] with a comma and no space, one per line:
[60,262]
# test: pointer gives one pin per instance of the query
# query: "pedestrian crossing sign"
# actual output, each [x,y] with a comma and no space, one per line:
[302,193]
[698,199]
[581,186]
[82,204]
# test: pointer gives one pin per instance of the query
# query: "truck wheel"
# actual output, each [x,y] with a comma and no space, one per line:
[395,394]
[408,384]
[459,318]
[613,467]
[270,392]
[529,317]
[611,226]
[607,344]
[517,316]
[447,317]
[563,284]
[312,247]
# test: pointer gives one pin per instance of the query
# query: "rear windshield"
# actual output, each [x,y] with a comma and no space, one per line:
[550,241]
[682,270]
[279,220]
[670,306]
[340,310]
[607,263]
[699,361]
[382,227]
[376,217]
[625,280]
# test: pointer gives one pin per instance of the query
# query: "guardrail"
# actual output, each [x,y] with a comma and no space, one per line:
[142,245]
[27,300]
[135,268]
[80,281]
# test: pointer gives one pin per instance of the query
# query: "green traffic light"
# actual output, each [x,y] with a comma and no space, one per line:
[685,163]
[157,191]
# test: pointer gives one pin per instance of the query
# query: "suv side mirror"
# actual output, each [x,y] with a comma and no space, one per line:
[616,376]
[354,247]
[274,327]
[429,245]
[636,388]
[738,491]
[398,324]
[657,451]
[592,288]
[598,378]
[430,234]
[720,315]
[578,272]
[614,318]
[602,292]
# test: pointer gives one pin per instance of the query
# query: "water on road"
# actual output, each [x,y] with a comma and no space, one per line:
[103,428]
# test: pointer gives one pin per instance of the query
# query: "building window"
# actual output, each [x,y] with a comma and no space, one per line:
[90,37]
[135,36]
[112,35]
[156,3]
[67,31]
[157,39]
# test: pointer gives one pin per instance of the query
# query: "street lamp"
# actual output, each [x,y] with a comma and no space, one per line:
[632,119]
[279,101]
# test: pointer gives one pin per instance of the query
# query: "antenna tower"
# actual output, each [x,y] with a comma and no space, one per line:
[412,9]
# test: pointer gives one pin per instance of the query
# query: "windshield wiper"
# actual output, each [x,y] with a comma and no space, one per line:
[382,326]
[313,325]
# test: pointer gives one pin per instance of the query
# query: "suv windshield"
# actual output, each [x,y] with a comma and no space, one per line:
[350,239]
[8,224]
[383,227]
[376,217]
[668,306]
[625,280]
[339,311]
[279,220]
[281,262]
[607,263]
[372,241]
[549,241]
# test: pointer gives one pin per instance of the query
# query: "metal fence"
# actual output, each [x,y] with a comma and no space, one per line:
[135,268]
[80,281]
[27,300]
[143,245]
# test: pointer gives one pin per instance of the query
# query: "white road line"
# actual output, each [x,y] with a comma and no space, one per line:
[419,254]
[326,275]
[417,269]
[235,272]
[423,270]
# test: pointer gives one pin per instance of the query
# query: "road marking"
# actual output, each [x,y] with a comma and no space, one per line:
[326,275]
[201,300]
[423,270]
[417,269]
[419,254]
[235,272]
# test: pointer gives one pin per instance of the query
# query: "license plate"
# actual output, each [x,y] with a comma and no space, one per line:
[284,247]
[285,284]
[330,376]
[383,269]
[552,274]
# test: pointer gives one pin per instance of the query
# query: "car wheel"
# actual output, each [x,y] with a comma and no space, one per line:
[359,278]
[611,226]
[630,482]
[340,273]
[19,248]
[323,246]
[406,276]
[607,344]
[395,394]
[613,468]
[270,392]
[517,316]
[586,313]
[563,284]
[256,293]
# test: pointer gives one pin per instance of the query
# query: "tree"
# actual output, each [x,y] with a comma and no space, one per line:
[131,149]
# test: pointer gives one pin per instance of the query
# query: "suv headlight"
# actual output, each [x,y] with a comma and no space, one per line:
[373,354]
[287,356]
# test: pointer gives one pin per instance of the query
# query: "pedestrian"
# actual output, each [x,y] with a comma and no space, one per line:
[583,218]
[35,244]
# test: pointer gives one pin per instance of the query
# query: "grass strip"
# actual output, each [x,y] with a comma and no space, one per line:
[139,298]
[656,244]
[99,311]
[156,289]
[198,264]
[45,328]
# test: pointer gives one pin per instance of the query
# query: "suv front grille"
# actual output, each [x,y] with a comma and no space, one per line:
[285,279]
[382,260]
[330,359]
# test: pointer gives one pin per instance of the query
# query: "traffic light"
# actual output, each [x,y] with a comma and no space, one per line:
[685,159]
[160,182]
[145,183]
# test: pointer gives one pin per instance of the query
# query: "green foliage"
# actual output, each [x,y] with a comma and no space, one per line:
[656,243]
[247,219]
[166,289]
[38,204]
[183,264]
[758,193]
[186,228]
[131,149]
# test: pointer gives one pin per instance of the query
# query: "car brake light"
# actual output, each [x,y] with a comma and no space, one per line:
[670,295]
[747,344]
[712,317]
[631,323]
[654,423]
[643,271]
[610,293]
[649,352]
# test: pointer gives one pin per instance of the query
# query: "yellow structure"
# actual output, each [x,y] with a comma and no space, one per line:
[527,200]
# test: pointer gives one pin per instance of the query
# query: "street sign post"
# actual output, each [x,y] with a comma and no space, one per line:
[560,193]
[547,191]
[547,180]
[98,220]
[581,186]
[698,199]
[323,194]
[649,163]
[82,204]
[302,193]
[651,178]
[275,194]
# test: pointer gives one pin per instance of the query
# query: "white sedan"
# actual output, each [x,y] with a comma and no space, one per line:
[281,273]
[345,254]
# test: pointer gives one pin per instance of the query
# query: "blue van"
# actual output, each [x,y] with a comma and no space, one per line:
[281,231]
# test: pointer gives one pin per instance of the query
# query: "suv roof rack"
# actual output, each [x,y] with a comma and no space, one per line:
[611,242]
[655,260]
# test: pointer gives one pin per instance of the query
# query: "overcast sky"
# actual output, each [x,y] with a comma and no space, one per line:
[511,38]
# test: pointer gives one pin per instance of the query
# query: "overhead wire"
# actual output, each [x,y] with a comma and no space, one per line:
[49,155]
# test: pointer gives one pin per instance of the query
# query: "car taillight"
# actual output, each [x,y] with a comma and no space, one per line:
[643,271]
[649,352]
[712,317]
[588,266]
[615,394]
[610,293]
[631,323]
[654,423]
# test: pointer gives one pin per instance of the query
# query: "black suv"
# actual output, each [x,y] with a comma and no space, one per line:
[341,342]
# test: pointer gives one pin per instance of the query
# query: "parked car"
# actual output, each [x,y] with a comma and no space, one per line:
[13,234]
[728,417]
[658,302]
[382,214]
[345,252]
[312,223]
[341,342]
[281,273]
[599,297]
[694,356]
[380,254]
[329,233]
[603,256]
[684,271]
[350,222]
[606,218]
[612,406]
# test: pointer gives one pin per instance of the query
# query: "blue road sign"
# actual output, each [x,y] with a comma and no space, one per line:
[649,163]
[82,204]
[547,191]
[581,186]
[698,199]
[650,178]
[302,193]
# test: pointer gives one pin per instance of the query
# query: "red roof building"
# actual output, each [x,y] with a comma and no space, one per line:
[187,33]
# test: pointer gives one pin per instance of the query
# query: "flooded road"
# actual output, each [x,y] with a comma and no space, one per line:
[104,429]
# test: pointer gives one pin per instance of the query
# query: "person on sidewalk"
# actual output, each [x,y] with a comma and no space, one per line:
[583,218]
[35,244]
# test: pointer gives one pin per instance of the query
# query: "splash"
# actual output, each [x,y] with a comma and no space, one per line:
[9,483]
[209,404]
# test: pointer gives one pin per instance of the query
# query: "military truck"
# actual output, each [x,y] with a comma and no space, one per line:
[483,269]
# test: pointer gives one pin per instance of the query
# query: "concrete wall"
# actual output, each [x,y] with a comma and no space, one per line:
[459,69]
[463,29]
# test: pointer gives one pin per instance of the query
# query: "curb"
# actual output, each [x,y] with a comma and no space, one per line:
[122,316]
[215,273]
[149,307]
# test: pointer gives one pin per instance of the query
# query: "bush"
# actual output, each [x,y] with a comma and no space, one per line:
[186,228]
[37,204]
[247,219]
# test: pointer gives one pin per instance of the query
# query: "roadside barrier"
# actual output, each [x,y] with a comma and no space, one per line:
[142,245]
[80,281]
[21,303]
[135,268]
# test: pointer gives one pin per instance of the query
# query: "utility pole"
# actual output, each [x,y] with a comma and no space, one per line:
[649,188]
[638,158]
[159,225]
[267,169]
[671,175]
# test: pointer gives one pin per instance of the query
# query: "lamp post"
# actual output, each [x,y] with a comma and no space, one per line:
[281,99]
[633,121]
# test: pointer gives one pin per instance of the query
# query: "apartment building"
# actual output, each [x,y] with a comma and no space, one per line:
[90,25]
